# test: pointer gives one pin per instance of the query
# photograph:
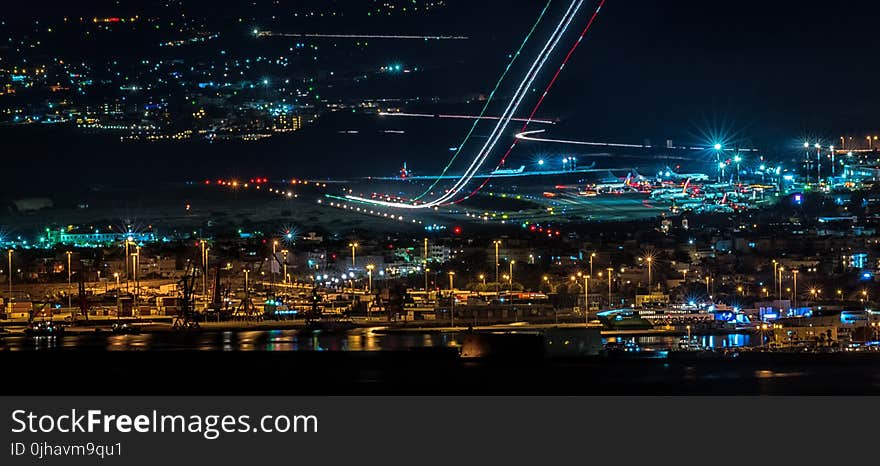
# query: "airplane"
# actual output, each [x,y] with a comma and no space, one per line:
[672,175]
[617,188]
[510,171]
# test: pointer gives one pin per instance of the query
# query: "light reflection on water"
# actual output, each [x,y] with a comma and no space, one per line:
[262,340]
[293,340]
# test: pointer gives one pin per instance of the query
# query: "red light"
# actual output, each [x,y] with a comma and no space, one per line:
[207,181]
[457,230]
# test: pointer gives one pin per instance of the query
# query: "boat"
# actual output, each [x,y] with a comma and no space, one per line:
[690,344]
[124,328]
[45,328]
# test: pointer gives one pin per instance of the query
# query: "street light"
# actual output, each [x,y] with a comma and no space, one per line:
[781,269]
[272,265]
[69,275]
[284,266]
[370,268]
[511,274]
[9,272]
[587,300]
[353,247]
[610,274]
[202,243]
[737,158]
[649,260]
[128,241]
[451,299]
[497,243]
[592,255]
[425,265]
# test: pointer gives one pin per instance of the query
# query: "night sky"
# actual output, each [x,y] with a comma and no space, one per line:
[768,72]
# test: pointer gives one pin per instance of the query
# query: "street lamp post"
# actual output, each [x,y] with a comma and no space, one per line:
[370,268]
[353,247]
[451,299]
[718,149]
[497,243]
[127,266]
[116,276]
[135,262]
[592,255]
[69,275]
[610,275]
[511,274]
[781,269]
[284,266]
[650,260]
[246,291]
[737,158]
[794,292]
[587,300]
[425,265]
[272,265]
[204,267]
[9,273]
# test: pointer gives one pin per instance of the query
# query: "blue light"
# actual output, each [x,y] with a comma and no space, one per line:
[718,146]
[541,162]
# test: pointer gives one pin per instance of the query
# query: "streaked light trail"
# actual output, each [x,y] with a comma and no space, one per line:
[504,120]
[543,96]
[528,136]
[489,100]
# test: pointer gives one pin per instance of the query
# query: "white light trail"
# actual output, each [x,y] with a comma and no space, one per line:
[502,123]
[527,136]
